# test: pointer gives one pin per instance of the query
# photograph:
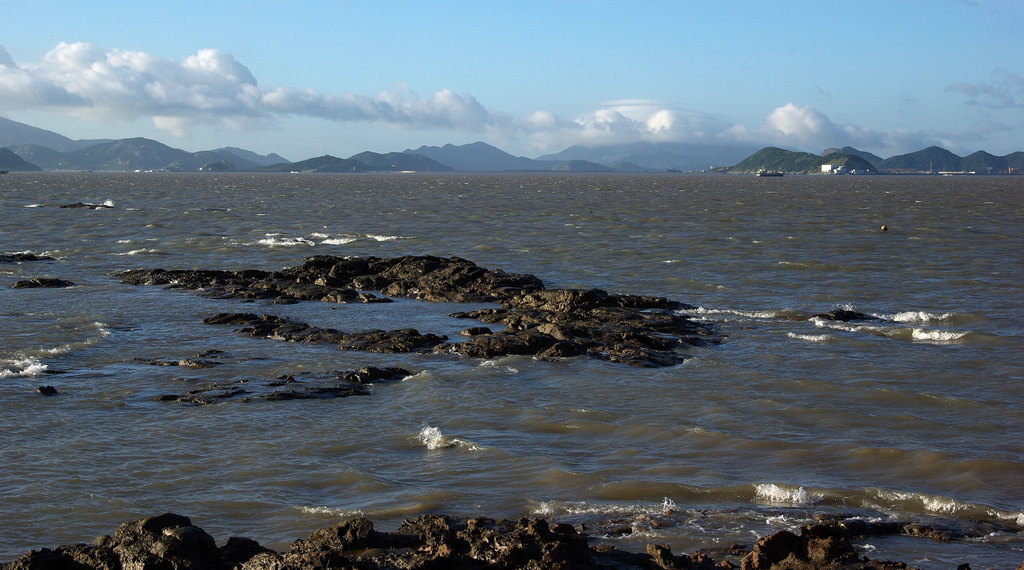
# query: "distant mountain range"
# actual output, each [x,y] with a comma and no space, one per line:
[27,148]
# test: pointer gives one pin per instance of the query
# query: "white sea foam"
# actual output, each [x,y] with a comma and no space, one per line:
[1015,517]
[778,494]
[143,251]
[571,508]
[937,336]
[497,365]
[383,237]
[418,376]
[338,241]
[917,317]
[432,438]
[728,313]
[810,337]
[273,241]
[930,503]
[322,510]
[26,367]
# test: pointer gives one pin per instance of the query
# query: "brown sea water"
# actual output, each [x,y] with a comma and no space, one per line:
[916,415]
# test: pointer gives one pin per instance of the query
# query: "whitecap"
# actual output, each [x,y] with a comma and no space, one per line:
[916,317]
[377,237]
[930,503]
[418,376]
[143,251]
[27,367]
[285,242]
[810,337]
[779,494]
[338,241]
[706,312]
[937,336]
[432,438]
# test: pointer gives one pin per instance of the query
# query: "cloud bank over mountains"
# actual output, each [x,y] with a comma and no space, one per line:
[212,87]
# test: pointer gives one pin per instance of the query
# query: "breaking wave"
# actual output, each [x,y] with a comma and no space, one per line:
[25,367]
[432,438]
[779,494]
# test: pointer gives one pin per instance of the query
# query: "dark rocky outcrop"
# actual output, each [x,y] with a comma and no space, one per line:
[434,541]
[23,256]
[843,315]
[280,328]
[341,280]
[85,205]
[42,282]
[638,330]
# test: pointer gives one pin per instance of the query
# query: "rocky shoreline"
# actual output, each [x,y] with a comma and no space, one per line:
[433,541]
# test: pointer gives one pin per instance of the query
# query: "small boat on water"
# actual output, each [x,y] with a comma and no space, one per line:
[764,172]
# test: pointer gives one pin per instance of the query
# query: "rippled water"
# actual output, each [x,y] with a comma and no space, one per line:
[916,415]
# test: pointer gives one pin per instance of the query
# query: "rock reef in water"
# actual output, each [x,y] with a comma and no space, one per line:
[632,329]
[301,386]
[22,256]
[171,541]
[42,282]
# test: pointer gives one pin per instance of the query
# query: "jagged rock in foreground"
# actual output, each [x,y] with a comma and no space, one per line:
[172,542]
[638,330]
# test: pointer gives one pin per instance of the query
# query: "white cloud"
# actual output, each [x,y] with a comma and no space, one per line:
[209,86]
[213,89]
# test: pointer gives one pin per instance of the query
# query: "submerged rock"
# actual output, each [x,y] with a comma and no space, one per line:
[24,256]
[85,205]
[42,282]
[302,386]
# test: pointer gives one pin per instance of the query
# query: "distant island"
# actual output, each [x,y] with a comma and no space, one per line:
[24,148]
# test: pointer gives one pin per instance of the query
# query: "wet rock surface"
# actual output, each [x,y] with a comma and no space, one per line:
[78,205]
[632,329]
[42,282]
[171,541]
[301,386]
[23,256]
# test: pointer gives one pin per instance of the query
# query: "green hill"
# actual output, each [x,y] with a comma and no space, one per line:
[773,158]
[932,158]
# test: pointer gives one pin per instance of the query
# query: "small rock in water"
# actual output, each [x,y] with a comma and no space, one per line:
[37,282]
[47,391]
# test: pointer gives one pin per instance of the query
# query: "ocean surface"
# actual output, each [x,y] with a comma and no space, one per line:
[915,416]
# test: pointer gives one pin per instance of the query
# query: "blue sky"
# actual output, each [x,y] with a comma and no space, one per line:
[338,77]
